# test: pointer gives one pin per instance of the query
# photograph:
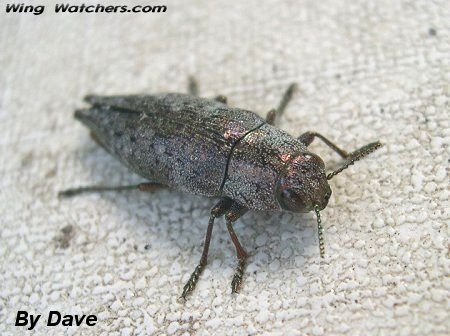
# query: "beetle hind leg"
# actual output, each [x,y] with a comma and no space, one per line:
[218,210]
[146,186]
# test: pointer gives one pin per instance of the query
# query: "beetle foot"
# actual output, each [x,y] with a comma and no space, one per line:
[190,285]
[237,278]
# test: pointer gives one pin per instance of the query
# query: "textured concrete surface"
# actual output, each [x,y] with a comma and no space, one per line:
[366,70]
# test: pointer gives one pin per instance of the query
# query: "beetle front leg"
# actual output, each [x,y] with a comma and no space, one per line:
[308,137]
[274,113]
[233,214]
[350,158]
[218,210]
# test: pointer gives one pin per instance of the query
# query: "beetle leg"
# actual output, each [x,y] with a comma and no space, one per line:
[308,137]
[192,86]
[218,210]
[272,114]
[232,215]
[286,98]
[193,90]
[147,186]
[221,99]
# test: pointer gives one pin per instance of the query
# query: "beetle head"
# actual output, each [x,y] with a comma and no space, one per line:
[303,187]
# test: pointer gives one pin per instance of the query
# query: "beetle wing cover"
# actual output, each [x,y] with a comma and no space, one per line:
[175,139]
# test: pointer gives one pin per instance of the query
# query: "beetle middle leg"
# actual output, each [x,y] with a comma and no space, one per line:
[192,86]
[193,90]
[274,113]
[235,212]
[218,210]
[221,99]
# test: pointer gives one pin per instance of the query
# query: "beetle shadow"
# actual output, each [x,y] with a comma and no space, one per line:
[152,216]
[280,231]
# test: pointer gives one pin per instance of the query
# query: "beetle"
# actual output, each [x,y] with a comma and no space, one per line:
[204,147]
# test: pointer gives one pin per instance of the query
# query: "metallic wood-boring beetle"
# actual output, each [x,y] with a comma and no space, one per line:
[204,147]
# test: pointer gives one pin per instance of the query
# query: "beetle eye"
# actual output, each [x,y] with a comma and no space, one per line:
[290,200]
[286,193]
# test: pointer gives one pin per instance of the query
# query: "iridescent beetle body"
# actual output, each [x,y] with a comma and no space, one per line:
[204,147]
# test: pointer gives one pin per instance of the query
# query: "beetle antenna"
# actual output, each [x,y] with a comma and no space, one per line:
[320,232]
[355,156]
